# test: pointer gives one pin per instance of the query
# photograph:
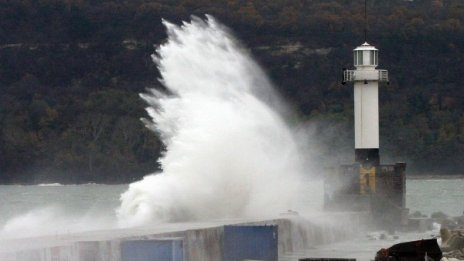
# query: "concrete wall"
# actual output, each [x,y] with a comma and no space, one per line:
[207,244]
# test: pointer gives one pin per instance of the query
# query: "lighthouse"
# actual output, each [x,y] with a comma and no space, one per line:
[366,78]
[366,184]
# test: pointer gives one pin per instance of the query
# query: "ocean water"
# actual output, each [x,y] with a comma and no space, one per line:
[53,208]
[56,208]
[432,195]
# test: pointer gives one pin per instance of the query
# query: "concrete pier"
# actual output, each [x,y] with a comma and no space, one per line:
[211,241]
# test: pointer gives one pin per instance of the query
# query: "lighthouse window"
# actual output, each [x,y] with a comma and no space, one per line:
[372,59]
[376,57]
[358,58]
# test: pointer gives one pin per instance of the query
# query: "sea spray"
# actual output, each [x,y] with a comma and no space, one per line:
[229,152]
[54,220]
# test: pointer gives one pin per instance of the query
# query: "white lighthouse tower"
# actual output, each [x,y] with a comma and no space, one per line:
[367,184]
[366,80]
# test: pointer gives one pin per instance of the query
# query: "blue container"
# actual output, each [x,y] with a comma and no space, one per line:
[250,242]
[147,250]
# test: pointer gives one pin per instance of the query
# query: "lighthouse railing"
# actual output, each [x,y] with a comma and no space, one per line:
[348,75]
[383,75]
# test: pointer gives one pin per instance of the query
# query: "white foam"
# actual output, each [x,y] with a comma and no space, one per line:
[50,185]
[229,152]
[53,220]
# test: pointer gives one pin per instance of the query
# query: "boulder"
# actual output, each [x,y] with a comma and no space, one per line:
[452,243]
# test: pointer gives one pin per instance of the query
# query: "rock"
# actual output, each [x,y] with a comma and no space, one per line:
[417,214]
[439,215]
[445,234]
[452,243]
[420,250]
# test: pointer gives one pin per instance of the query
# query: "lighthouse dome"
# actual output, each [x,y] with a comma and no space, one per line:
[366,55]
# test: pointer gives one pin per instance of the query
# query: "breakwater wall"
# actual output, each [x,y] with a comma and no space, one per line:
[235,240]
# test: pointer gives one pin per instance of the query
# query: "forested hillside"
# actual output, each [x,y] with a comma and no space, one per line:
[71,71]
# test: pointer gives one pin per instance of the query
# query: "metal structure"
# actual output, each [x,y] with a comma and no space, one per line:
[250,243]
[159,249]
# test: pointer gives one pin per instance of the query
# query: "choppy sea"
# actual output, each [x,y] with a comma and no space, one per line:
[54,206]
[424,195]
